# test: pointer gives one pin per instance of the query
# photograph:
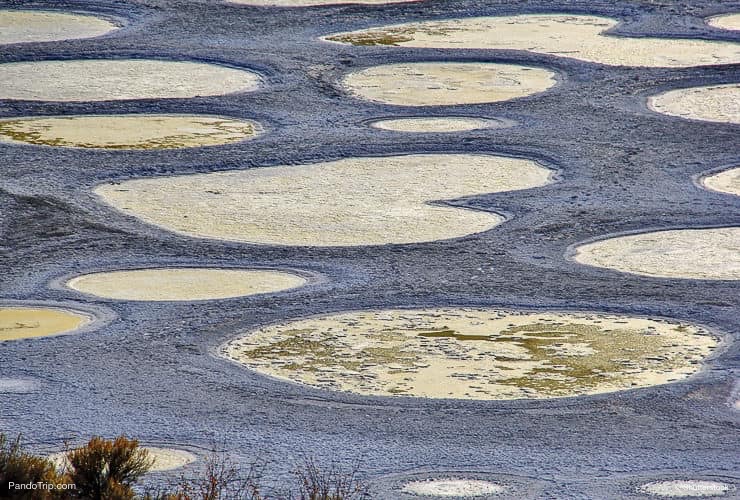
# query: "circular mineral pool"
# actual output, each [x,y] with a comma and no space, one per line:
[116,79]
[565,35]
[712,254]
[19,26]
[184,283]
[355,201]
[466,353]
[455,488]
[21,322]
[715,103]
[134,131]
[447,83]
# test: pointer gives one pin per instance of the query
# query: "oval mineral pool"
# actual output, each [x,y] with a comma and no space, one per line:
[19,26]
[447,83]
[355,201]
[564,35]
[716,103]
[467,353]
[442,124]
[687,488]
[456,488]
[725,22]
[712,254]
[30,322]
[117,79]
[727,181]
[137,131]
[184,283]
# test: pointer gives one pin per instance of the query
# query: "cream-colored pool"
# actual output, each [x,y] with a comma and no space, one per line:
[135,131]
[20,26]
[355,201]
[164,284]
[715,103]
[712,254]
[23,322]
[725,21]
[446,83]
[116,79]
[565,35]
[468,353]
[441,124]
[727,181]
[456,488]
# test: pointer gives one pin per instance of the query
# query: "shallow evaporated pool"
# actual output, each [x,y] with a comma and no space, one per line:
[467,353]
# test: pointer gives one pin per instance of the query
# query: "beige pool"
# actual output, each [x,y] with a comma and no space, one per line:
[438,124]
[725,21]
[116,79]
[727,181]
[355,201]
[446,83]
[22,26]
[132,131]
[564,35]
[715,103]
[21,322]
[468,353]
[712,254]
[163,284]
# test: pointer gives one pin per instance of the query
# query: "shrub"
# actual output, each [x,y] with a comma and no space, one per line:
[107,470]
[221,480]
[333,483]
[20,467]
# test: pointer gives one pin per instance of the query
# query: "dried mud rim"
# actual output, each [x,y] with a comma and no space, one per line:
[687,488]
[165,284]
[165,459]
[475,353]
[512,486]
[128,131]
[33,26]
[711,254]
[32,321]
[439,124]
